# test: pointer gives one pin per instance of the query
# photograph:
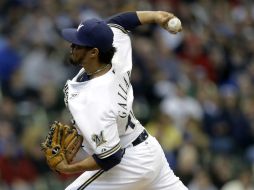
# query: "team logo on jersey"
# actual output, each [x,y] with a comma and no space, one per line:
[73,95]
[99,139]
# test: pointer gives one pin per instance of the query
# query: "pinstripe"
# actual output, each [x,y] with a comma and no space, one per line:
[119,27]
[110,152]
[90,180]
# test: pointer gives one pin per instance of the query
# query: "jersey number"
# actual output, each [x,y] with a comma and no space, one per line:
[129,123]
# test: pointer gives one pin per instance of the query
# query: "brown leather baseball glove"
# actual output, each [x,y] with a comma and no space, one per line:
[62,142]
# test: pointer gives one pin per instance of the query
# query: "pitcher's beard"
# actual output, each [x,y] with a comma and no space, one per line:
[74,63]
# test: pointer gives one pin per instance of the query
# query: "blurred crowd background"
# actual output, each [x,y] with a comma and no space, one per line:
[194,91]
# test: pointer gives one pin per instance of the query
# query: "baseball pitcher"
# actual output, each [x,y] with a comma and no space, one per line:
[122,155]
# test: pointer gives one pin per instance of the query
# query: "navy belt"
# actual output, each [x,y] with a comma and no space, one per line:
[141,138]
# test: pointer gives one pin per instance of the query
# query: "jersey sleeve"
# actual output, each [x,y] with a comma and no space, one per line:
[128,20]
[96,121]
[122,60]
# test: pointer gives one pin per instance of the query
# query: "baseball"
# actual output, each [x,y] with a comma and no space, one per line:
[174,24]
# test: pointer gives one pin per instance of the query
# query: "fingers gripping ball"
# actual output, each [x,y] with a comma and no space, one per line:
[62,142]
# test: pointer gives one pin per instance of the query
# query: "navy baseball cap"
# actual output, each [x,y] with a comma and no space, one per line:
[90,33]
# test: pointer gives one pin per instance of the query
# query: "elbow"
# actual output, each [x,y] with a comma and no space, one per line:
[117,161]
[111,161]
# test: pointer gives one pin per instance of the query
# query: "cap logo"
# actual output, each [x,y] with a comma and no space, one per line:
[80,26]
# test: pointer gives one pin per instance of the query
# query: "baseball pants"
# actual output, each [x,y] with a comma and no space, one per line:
[143,167]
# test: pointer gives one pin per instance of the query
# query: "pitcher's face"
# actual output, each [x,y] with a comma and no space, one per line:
[78,55]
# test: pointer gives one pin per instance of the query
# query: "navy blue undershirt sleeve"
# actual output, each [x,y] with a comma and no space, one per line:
[128,20]
[111,161]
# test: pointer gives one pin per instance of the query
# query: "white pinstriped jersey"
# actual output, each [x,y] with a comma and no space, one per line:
[102,107]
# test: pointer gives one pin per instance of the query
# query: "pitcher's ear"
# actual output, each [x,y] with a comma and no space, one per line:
[94,52]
